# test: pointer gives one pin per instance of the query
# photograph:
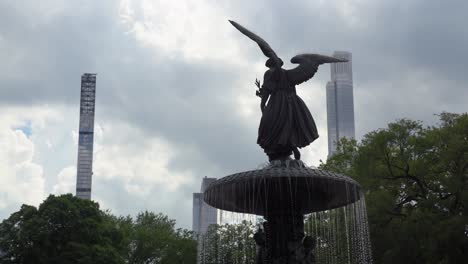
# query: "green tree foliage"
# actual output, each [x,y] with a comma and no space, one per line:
[228,243]
[67,230]
[153,238]
[62,230]
[416,183]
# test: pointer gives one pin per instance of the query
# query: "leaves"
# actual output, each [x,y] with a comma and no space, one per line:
[69,230]
[416,184]
[154,239]
[229,243]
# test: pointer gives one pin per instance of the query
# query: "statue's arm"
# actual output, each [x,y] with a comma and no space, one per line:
[263,102]
[266,89]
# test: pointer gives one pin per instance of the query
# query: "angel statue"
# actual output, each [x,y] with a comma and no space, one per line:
[286,122]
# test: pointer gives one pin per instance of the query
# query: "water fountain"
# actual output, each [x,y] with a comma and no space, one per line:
[286,189]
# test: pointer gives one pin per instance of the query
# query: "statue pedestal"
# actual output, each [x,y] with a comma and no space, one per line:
[284,235]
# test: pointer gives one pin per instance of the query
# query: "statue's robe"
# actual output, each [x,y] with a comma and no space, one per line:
[286,121]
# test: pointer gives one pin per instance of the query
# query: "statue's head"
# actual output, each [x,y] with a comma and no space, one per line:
[270,63]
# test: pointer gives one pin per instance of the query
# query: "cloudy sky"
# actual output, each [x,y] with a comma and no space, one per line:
[175,86]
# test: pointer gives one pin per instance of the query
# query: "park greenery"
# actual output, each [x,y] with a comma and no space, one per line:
[228,243]
[415,180]
[68,230]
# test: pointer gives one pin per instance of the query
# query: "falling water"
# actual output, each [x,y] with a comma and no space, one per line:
[231,241]
[342,234]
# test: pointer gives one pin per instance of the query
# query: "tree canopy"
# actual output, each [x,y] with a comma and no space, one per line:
[228,243]
[415,179]
[68,230]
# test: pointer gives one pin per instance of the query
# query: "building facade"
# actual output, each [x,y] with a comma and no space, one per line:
[203,215]
[340,104]
[86,136]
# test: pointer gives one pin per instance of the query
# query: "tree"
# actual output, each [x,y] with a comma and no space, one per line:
[153,239]
[69,230]
[228,243]
[63,229]
[415,179]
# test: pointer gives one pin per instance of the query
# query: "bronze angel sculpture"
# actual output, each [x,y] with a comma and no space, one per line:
[286,124]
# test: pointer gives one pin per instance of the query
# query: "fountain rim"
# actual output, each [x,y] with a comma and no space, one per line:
[301,174]
[239,176]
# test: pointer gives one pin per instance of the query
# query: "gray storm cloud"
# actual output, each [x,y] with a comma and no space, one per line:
[409,60]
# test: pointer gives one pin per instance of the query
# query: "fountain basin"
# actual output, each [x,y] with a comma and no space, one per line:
[282,190]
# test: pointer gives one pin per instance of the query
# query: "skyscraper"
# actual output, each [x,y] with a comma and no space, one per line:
[340,106]
[86,136]
[203,215]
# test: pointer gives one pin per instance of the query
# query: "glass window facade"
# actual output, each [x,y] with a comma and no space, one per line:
[86,136]
[340,103]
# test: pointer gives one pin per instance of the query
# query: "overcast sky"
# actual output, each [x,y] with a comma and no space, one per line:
[175,86]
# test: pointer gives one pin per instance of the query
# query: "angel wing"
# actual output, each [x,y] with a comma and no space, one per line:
[266,49]
[308,65]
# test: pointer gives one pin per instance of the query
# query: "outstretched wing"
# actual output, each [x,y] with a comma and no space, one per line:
[308,65]
[266,49]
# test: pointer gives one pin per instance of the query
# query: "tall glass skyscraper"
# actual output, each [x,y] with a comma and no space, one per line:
[86,136]
[203,215]
[340,106]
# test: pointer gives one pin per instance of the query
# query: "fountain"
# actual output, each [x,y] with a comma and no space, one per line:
[286,190]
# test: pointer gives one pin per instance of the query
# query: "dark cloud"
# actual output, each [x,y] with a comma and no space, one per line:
[409,60]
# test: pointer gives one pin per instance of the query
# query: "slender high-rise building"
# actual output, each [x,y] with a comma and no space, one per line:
[86,136]
[340,106]
[203,215]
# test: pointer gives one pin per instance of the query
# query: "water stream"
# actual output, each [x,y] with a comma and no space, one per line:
[342,236]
